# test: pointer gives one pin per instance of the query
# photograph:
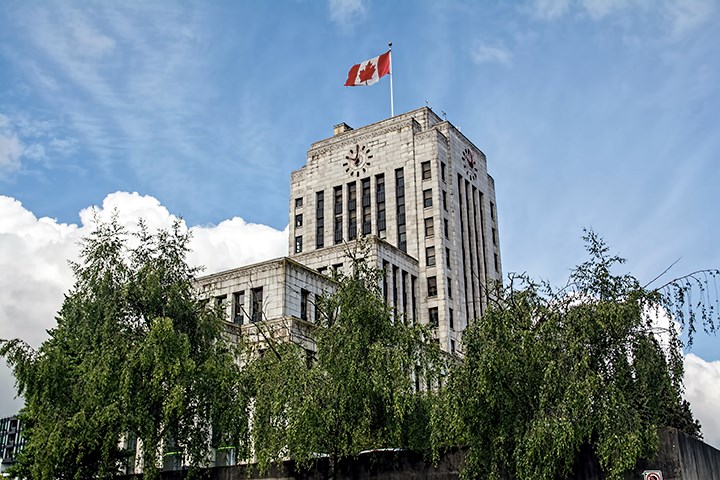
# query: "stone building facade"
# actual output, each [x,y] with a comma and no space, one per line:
[419,191]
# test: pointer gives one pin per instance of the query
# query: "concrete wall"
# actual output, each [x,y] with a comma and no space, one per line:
[679,458]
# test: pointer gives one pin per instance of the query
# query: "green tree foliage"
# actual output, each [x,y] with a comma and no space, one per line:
[357,392]
[133,355]
[549,371]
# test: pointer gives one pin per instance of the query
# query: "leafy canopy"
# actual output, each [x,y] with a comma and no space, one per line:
[133,355]
[357,392]
[548,372]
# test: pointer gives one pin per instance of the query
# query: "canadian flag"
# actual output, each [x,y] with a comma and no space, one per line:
[369,71]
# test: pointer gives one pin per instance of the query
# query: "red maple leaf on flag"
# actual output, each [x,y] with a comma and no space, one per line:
[367,72]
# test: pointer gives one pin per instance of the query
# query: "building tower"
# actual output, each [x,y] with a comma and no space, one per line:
[420,186]
[419,191]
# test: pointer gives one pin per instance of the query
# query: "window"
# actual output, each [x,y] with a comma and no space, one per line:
[430,256]
[298,244]
[452,346]
[425,167]
[427,198]
[429,227]
[449,284]
[432,286]
[304,301]
[447,258]
[380,203]
[257,304]
[494,237]
[442,171]
[220,302]
[444,195]
[450,319]
[238,307]
[337,268]
[433,313]
[400,198]
[352,210]
[366,213]
[337,193]
[446,227]
[492,211]
[298,202]
[298,220]
[319,219]
[497,264]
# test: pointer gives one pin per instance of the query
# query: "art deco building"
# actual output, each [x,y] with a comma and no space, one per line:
[419,191]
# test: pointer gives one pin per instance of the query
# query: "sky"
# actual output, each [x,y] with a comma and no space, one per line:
[599,114]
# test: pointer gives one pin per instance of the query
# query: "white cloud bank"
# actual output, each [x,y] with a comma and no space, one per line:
[34,254]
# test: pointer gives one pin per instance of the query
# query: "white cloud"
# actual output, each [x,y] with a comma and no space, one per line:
[685,15]
[24,138]
[600,8]
[483,53]
[680,15]
[345,12]
[11,149]
[34,254]
[87,41]
[549,9]
[702,390]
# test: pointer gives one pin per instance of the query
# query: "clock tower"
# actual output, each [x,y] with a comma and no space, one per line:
[419,190]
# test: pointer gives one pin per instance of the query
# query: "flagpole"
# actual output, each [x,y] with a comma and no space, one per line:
[392,107]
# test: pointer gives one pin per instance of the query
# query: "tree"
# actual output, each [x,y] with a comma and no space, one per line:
[133,355]
[358,392]
[547,372]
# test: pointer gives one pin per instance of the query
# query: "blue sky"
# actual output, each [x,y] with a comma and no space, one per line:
[592,113]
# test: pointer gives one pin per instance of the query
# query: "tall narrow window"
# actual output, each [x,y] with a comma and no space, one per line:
[429,227]
[427,198]
[413,296]
[404,287]
[298,244]
[319,219]
[298,220]
[352,210]
[337,194]
[380,199]
[444,200]
[449,284]
[298,202]
[238,307]
[432,286]
[430,256]
[220,303]
[442,171]
[400,199]
[494,237]
[425,167]
[448,264]
[492,211]
[446,227]
[451,321]
[366,211]
[434,317]
[257,304]
[386,272]
[304,301]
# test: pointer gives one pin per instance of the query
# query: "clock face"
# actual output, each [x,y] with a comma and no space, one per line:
[357,161]
[469,163]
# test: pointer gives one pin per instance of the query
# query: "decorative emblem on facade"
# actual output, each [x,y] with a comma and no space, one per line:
[357,160]
[469,163]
